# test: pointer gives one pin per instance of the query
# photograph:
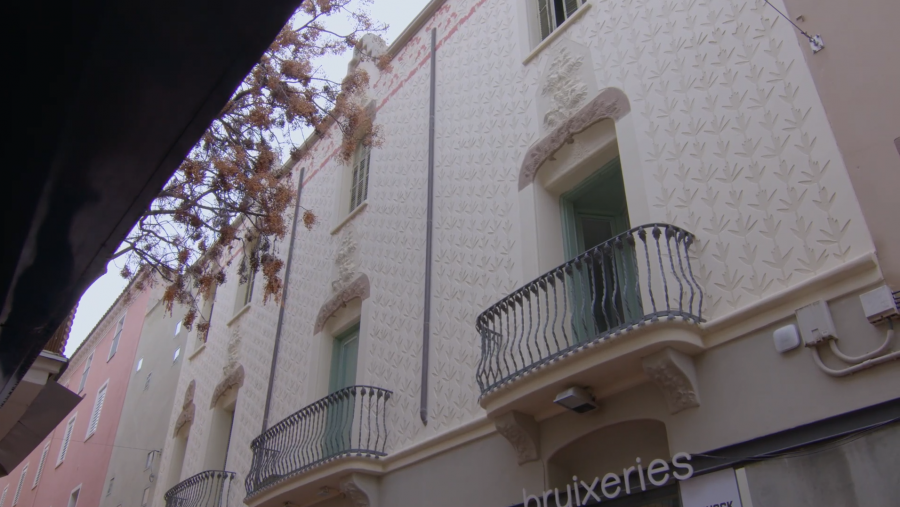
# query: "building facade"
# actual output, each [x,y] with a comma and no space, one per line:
[106,450]
[70,466]
[602,269]
[132,474]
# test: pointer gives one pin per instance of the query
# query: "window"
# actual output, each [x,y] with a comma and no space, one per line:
[359,184]
[109,488]
[343,360]
[177,353]
[553,13]
[177,328]
[245,290]
[84,374]
[147,382]
[115,342]
[95,413]
[67,436]
[73,498]
[37,475]
[3,497]
[139,364]
[149,462]
[206,313]
[145,497]
[19,486]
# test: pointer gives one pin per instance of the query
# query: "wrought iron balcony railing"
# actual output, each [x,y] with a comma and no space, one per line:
[348,422]
[206,489]
[641,275]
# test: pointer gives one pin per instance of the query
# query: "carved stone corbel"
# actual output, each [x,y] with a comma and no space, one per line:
[674,374]
[361,489]
[523,434]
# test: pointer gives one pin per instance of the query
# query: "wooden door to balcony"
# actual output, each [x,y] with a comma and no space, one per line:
[594,212]
[339,420]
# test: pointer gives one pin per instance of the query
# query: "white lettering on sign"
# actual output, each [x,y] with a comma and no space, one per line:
[718,489]
[612,485]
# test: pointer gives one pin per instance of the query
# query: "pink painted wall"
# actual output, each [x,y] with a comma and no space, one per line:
[86,461]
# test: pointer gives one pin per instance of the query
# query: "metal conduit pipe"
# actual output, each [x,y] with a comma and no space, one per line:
[868,363]
[426,327]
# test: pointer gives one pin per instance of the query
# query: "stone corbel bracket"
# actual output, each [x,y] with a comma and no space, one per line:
[674,374]
[523,433]
[358,288]
[361,490]
[187,408]
[609,103]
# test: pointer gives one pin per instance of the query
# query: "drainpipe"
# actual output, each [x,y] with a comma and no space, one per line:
[287,279]
[426,328]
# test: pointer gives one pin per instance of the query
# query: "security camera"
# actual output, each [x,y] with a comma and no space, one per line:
[576,399]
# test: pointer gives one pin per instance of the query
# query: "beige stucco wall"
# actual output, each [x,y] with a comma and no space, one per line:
[712,136]
[856,76]
[726,137]
[242,338]
[144,425]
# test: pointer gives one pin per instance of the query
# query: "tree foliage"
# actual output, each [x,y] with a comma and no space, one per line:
[232,190]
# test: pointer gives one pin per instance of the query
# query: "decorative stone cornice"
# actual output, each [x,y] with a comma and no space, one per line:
[674,374]
[233,379]
[358,288]
[187,408]
[609,103]
[523,434]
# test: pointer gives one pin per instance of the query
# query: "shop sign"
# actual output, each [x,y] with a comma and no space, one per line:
[612,485]
[718,489]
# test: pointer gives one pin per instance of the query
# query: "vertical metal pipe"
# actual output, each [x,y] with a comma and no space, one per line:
[287,279]
[426,327]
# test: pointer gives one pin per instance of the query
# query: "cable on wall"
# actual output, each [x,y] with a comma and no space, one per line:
[815,41]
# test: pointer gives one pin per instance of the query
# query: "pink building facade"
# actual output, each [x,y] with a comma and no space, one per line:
[69,468]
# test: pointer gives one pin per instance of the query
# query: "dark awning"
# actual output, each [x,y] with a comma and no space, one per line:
[107,98]
[52,404]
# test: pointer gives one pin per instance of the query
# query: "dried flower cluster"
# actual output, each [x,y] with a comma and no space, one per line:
[232,187]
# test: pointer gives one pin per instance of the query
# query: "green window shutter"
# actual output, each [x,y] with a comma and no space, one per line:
[343,360]
[546,18]
[571,6]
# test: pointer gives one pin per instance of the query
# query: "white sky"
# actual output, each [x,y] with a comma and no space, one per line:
[101,295]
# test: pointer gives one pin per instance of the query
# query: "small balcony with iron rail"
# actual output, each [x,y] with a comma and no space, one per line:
[206,489]
[592,323]
[311,451]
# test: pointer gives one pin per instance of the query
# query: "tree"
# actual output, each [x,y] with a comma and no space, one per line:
[231,188]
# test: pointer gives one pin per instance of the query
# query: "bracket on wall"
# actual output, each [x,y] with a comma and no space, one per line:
[523,433]
[674,374]
[361,489]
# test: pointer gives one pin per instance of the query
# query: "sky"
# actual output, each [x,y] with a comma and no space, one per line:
[103,293]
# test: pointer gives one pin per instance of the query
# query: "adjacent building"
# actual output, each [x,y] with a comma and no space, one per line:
[616,253]
[106,450]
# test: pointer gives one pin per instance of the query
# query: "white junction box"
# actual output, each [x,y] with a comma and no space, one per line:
[815,323]
[786,338]
[878,304]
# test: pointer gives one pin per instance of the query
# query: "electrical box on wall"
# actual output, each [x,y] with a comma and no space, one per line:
[786,338]
[878,304]
[815,323]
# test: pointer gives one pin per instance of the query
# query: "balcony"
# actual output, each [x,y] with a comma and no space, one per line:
[590,321]
[206,489]
[343,429]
